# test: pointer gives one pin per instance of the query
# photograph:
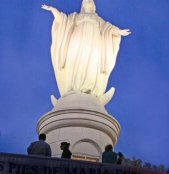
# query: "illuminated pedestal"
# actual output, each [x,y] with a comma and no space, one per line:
[81,120]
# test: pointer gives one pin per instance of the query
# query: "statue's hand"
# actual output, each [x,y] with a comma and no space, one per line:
[53,10]
[124,32]
[46,7]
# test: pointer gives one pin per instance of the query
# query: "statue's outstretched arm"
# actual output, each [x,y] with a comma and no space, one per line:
[118,32]
[124,32]
[54,11]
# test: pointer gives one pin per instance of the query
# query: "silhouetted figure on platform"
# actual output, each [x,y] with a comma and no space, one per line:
[120,158]
[108,156]
[39,147]
[66,152]
[168,170]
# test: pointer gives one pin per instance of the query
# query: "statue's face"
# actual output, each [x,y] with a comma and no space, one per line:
[89,6]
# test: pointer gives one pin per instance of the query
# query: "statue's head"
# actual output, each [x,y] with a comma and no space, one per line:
[88,6]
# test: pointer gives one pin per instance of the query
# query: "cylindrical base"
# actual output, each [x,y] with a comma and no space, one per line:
[81,120]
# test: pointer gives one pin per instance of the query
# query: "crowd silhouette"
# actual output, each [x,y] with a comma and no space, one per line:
[42,148]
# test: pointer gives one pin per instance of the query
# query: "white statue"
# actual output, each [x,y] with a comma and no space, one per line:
[84,50]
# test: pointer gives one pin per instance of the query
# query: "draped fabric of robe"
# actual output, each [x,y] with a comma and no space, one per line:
[84,50]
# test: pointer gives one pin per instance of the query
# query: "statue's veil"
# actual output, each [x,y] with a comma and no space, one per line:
[86,1]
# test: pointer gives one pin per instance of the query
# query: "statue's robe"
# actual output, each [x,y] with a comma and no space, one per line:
[84,50]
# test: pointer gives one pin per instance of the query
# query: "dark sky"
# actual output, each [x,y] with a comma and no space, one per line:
[141,74]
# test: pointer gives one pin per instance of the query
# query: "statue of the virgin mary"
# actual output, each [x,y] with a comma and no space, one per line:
[84,50]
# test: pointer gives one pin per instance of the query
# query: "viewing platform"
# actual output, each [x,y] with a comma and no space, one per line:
[24,164]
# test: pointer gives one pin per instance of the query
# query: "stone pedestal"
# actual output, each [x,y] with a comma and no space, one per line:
[81,120]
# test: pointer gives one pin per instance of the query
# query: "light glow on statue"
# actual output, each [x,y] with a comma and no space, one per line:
[84,51]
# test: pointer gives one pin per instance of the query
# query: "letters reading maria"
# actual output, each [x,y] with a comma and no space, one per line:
[84,50]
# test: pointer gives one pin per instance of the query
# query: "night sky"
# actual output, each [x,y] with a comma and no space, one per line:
[141,74]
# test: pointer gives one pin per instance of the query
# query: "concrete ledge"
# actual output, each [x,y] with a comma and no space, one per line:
[24,164]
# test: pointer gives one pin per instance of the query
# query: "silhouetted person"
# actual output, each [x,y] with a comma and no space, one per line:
[66,152]
[108,156]
[120,158]
[168,170]
[39,147]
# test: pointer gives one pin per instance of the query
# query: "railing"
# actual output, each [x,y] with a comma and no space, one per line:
[24,164]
